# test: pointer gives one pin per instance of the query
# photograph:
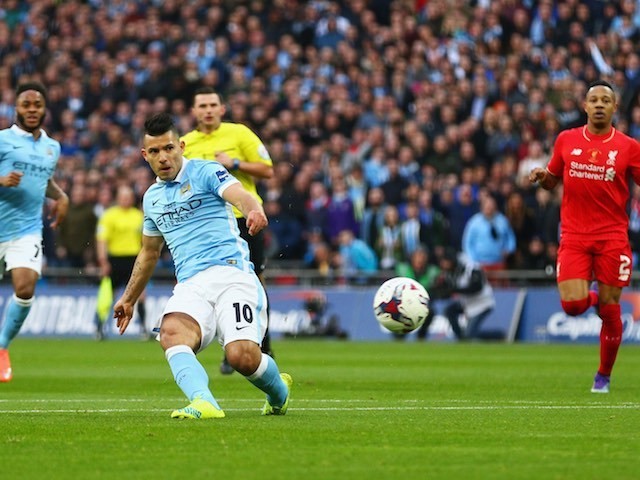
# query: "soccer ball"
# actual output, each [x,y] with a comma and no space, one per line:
[401,305]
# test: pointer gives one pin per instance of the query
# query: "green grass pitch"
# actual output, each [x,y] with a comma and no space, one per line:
[78,409]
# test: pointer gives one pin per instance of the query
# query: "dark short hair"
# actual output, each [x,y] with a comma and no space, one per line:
[159,124]
[601,83]
[206,91]
[37,86]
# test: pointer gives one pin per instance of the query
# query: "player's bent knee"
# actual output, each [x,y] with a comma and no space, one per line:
[575,307]
[244,356]
[179,330]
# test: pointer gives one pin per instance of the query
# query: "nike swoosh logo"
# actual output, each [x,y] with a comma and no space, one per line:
[153,203]
[242,328]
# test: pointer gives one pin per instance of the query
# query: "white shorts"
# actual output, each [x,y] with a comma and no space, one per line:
[23,252]
[227,303]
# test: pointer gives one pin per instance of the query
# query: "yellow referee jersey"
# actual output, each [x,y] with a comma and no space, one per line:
[237,141]
[121,229]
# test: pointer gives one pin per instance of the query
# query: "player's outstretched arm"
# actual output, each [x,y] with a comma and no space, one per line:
[61,203]
[544,178]
[251,209]
[142,270]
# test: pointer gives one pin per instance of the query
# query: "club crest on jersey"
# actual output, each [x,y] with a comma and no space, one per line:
[593,154]
[611,159]
[185,191]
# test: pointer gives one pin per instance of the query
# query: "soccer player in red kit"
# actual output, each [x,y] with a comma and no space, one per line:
[595,163]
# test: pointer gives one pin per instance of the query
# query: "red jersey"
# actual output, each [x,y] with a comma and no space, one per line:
[595,171]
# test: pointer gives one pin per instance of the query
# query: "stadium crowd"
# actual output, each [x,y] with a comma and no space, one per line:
[392,124]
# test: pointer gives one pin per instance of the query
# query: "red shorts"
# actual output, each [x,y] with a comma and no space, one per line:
[608,261]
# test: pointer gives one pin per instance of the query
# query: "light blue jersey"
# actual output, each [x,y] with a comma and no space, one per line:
[21,206]
[197,224]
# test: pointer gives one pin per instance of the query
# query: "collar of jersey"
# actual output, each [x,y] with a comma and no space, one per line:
[23,133]
[179,176]
[586,133]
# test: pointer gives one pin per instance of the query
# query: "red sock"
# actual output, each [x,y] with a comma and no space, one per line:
[610,337]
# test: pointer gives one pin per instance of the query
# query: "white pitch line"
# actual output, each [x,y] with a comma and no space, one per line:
[345,409]
[299,400]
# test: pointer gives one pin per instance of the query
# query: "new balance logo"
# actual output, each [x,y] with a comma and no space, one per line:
[576,151]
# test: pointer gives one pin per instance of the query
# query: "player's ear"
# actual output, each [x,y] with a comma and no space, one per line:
[182,145]
[143,152]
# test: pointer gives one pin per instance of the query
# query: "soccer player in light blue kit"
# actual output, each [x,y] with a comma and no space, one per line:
[28,158]
[218,294]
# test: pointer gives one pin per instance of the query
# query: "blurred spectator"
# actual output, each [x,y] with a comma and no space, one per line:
[434,227]
[376,171]
[356,260]
[317,208]
[323,261]
[395,185]
[419,268]
[76,234]
[443,157]
[488,238]
[522,223]
[459,209]
[389,243]
[536,157]
[340,212]
[373,216]
[411,232]
[286,230]
[547,214]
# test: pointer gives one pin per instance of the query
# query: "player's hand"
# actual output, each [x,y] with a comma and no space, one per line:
[123,313]
[11,180]
[225,160]
[537,175]
[105,268]
[59,210]
[256,221]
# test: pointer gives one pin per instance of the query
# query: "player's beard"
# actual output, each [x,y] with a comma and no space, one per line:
[22,124]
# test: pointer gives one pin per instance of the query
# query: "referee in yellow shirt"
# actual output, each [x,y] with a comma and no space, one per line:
[241,152]
[119,240]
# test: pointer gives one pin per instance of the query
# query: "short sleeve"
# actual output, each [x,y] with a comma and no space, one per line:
[556,164]
[634,160]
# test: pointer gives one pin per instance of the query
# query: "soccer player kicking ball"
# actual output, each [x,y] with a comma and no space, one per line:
[594,162]
[218,294]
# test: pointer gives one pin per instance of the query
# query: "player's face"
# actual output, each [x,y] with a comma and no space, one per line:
[208,111]
[30,110]
[164,154]
[600,105]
